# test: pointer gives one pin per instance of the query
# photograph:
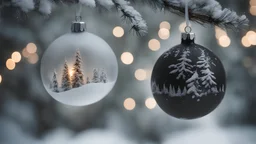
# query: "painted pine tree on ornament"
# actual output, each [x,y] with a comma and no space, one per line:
[193,85]
[183,67]
[208,78]
[197,75]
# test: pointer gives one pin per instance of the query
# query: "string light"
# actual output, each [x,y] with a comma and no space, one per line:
[164,33]
[118,31]
[245,42]
[224,41]
[33,58]
[129,104]
[154,45]
[150,103]
[1,79]
[140,74]
[16,57]
[31,48]
[10,64]
[165,24]
[127,58]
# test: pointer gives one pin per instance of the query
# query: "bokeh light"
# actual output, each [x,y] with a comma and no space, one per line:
[224,41]
[71,72]
[150,103]
[251,36]
[33,58]
[219,32]
[31,48]
[165,24]
[129,104]
[182,27]
[1,79]
[250,33]
[25,53]
[154,45]
[127,58]
[10,64]
[16,57]
[245,42]
[164,33]
[253,2]
[149,73]
[253,10]
[140,74]
[118,31]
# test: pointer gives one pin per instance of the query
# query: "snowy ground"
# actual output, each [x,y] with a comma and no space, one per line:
[85,95]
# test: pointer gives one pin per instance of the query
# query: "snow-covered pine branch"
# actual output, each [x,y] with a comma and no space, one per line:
[137,22]
[201,11]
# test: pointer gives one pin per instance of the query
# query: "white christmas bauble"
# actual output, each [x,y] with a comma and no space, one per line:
[79,69]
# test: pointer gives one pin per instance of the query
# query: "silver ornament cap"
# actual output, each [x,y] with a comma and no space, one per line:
[78,25]
[188,37]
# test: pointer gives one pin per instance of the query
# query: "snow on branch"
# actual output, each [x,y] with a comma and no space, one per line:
[201,11]
[138,24]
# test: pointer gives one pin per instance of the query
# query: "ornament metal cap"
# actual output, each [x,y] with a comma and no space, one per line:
[78,26]
[188,37]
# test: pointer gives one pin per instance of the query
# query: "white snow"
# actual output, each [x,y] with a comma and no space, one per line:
[85,95]
[213,9]
[108,4]
[191,85]
[45,7]
[134,16]
[25,5]
[194,77]
[90,3]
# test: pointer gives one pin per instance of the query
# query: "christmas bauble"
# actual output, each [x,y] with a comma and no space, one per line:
[79,68]
[188,81]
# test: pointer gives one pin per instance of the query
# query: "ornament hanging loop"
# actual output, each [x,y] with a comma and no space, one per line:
[78,18]
[78,12]
[187,37]
[78,25]
[188,29]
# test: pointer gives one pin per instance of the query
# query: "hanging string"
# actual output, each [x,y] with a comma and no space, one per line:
[188,29]
[78,13]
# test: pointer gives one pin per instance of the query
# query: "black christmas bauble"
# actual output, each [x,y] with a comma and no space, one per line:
[188,81]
